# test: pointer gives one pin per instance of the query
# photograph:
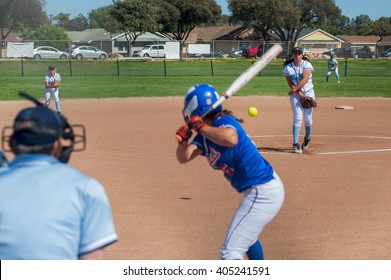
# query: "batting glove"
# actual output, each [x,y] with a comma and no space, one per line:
[197,124]
[183,134]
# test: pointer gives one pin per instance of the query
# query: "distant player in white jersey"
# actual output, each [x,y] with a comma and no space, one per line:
[52,83]
[332,67]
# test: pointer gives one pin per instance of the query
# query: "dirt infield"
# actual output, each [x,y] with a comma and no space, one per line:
[338,197]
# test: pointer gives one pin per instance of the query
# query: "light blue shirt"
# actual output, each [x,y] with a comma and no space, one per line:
[333,64]
[50,210]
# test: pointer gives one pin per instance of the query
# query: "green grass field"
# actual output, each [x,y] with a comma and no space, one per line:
[105,79]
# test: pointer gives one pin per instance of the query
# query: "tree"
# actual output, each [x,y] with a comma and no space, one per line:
[133,18]
[179,17]
[362,25]
[55,34]
[287,18]
[381,28]
[78,23]
[98,18]
[263,15]
[16,14]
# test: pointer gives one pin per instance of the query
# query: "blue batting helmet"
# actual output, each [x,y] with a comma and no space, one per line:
[198,99]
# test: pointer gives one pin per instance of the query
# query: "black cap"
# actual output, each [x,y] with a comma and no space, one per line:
[38,126]
[297,49]
[51,67]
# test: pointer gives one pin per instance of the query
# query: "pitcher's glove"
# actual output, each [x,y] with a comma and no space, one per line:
[308,102]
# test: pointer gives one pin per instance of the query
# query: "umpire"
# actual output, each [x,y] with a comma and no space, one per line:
[48,209]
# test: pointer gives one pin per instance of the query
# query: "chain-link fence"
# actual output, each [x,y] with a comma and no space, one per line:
[215,49]
[186,67]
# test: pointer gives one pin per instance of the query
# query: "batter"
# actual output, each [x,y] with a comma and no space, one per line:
[222,140]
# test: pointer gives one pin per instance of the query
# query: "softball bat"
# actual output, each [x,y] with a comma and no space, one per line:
[247,75]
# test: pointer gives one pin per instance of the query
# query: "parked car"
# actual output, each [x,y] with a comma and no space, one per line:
[283,55]
[352,52]
[213,53]
[151,51]
[258,51]
[386,53]
[86,52]
[237,51]
[250,52]
[337,52]
[47,52]
[359,52]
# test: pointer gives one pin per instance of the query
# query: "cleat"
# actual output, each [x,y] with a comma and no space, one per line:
[296,148]
[305,144]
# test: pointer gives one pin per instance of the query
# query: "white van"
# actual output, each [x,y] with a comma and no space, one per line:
[151,51]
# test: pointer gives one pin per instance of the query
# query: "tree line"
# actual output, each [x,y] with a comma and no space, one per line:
[177,18]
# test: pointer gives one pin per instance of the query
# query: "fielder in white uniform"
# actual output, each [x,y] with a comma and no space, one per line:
[332,67]
[52,83]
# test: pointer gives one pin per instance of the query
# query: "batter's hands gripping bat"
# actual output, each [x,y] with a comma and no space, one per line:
[247,76]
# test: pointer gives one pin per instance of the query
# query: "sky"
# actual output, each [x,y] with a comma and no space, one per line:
[350,8]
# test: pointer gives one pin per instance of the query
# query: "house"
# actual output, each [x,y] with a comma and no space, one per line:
[216,32]
[222,37]
[371,41]
[120,43]
[97,37]
[359,41]
[384,44]
[113,43]
[315,42]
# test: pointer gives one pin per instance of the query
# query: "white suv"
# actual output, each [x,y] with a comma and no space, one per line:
[151,51]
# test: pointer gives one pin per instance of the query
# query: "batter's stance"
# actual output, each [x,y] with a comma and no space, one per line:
[52,82]
[227,147]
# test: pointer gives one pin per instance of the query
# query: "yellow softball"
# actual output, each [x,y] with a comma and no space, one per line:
[252,111]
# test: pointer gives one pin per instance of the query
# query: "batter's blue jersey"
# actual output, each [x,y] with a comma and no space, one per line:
[242,164]
[50,210]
